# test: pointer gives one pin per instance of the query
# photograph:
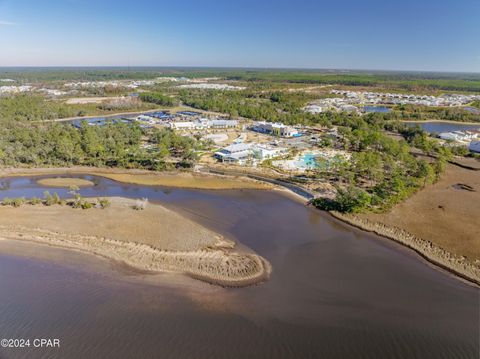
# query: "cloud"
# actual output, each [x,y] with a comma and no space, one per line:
[6,23]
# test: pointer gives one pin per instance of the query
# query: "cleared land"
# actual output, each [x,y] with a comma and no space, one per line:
[86,100]
[153,239]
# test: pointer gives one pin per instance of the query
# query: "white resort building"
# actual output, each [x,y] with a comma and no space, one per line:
[235,153]
[275,129]
[203,124]
[241,152]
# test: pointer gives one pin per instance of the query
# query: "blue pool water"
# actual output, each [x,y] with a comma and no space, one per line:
[308,161]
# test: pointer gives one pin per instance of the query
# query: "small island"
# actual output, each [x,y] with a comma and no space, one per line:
[151,238]
[66,182]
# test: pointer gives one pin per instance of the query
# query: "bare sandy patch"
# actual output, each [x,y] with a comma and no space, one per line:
[64,182]
[87,100]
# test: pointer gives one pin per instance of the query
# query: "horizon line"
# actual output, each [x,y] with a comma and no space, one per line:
[233,68]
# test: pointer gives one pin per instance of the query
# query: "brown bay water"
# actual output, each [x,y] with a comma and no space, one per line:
[335,292]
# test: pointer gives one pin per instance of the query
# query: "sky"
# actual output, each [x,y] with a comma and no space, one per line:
[423,35]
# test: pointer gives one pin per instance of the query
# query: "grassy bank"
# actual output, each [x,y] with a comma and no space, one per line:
[430,251]
[155,239]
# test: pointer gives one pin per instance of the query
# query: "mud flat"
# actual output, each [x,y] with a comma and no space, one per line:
[64,182]
[149,178]
[155,239]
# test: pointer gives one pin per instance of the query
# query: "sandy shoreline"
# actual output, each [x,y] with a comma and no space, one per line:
[155,240]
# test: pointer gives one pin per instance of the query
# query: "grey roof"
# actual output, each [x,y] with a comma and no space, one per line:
[238,147]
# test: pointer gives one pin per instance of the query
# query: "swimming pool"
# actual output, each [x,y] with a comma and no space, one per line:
[307,161]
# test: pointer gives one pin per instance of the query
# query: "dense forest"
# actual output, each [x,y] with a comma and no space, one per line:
[27,141]
[158,99]
[383,171]
[269,106]
[38,108]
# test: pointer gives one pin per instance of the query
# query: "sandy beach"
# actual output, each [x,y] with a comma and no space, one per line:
[155,239]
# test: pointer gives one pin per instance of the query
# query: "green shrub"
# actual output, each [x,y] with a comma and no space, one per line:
[350,199]
[103,203]
[35,201]
[86,205]
[17,202]
[56,198]
[7,201]
[77,201]
[48,199]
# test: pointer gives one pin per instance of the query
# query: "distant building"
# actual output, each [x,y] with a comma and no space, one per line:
[474,146]
[203,124]
[235,153]
[348,108]
[275,129]
[464,136]
[219,124]
[99,121]
[264,152]
[185,125]
[313,109]
[188,113]
[240,152]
